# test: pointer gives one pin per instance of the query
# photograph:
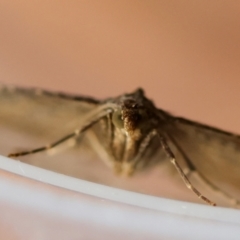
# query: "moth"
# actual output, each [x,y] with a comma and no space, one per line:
[130,131]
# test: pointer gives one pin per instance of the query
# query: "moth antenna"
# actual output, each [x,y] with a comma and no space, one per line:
[173,160]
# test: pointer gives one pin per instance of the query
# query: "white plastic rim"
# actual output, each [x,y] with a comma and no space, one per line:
[100,211]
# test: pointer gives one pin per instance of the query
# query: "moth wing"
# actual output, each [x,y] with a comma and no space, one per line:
[213,153]
[37,114]
[30,119]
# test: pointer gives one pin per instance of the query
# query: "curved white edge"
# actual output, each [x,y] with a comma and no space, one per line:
[219,214]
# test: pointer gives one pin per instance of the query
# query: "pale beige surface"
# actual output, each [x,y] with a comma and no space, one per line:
[33,210]
[185,55]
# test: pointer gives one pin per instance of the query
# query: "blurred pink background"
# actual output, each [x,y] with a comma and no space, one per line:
[185,54]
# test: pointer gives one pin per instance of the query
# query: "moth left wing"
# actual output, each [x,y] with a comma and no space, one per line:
[39,114]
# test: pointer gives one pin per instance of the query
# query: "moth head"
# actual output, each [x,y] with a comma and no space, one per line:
[135,115]
[130,117]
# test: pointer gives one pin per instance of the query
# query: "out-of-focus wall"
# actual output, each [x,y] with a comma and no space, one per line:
[185,54]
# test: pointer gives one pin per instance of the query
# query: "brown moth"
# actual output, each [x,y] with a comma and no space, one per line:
[129,132]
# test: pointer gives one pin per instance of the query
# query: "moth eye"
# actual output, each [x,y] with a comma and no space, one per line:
[117,119]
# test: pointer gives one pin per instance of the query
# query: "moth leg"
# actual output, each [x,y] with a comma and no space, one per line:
[93,118]
[107,158]
[44,148]
[192,169]
[101,151]
[130,167]
[180,171]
